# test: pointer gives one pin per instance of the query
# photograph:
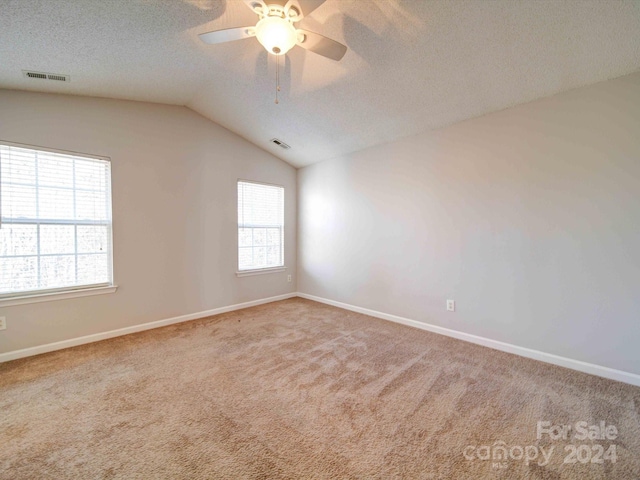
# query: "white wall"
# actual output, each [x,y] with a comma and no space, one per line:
[174,177]
[529,218]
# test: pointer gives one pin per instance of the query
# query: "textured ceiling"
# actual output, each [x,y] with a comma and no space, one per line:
[411,65]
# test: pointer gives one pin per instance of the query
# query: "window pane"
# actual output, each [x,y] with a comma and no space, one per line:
[261,205]
[57,271]
[273,255]
[244,237]
[93,238]
[90,176]
[245,257]
[260,236]
[18,201]
[260,256]
[55,203]
[18,274]
[92,269]
[55,171]
[57,239]
[21,169]
[91,206]
[18,240]
[273,236]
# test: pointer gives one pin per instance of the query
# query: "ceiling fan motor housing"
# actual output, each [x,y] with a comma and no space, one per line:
[276,32]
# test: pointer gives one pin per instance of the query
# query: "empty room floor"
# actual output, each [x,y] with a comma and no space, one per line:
[299,389]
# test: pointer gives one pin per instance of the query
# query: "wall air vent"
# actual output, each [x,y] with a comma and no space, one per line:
[58,77]
[280,143]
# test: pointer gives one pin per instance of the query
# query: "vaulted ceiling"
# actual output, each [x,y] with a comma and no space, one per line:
[411,65]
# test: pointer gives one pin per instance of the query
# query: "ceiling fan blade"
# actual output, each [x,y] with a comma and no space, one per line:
[227,35]
[305,7]
[256,6]
[322,45]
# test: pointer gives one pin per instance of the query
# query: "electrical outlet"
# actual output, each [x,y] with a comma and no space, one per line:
[3,323]
[451,305]
[289,278]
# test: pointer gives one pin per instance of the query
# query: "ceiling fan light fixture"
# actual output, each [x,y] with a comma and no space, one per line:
[276,35]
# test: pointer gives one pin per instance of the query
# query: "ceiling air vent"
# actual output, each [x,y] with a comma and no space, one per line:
[280,143]
[46,76]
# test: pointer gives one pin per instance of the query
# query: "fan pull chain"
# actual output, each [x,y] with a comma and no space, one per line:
[277,77]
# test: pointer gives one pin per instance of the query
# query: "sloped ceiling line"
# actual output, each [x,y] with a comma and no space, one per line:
[411,66]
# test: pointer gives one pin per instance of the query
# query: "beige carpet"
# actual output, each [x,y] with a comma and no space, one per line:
[297,389]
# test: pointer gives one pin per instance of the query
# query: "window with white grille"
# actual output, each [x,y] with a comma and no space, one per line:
[260,226]
[55,214]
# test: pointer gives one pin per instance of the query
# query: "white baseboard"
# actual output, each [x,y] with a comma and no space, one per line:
[606,372]
[96,337]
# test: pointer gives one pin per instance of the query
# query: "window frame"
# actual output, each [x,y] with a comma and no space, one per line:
[72,291]
[264,270]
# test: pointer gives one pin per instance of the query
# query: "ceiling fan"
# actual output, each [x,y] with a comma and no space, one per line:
[275,29]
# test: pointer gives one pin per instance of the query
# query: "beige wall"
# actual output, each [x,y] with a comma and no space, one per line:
[174,179]
[529,218]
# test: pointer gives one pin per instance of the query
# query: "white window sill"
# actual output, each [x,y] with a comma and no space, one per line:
[49,297]
[260,271]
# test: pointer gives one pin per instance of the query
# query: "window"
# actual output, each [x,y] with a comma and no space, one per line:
[55,221]
[260,226]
